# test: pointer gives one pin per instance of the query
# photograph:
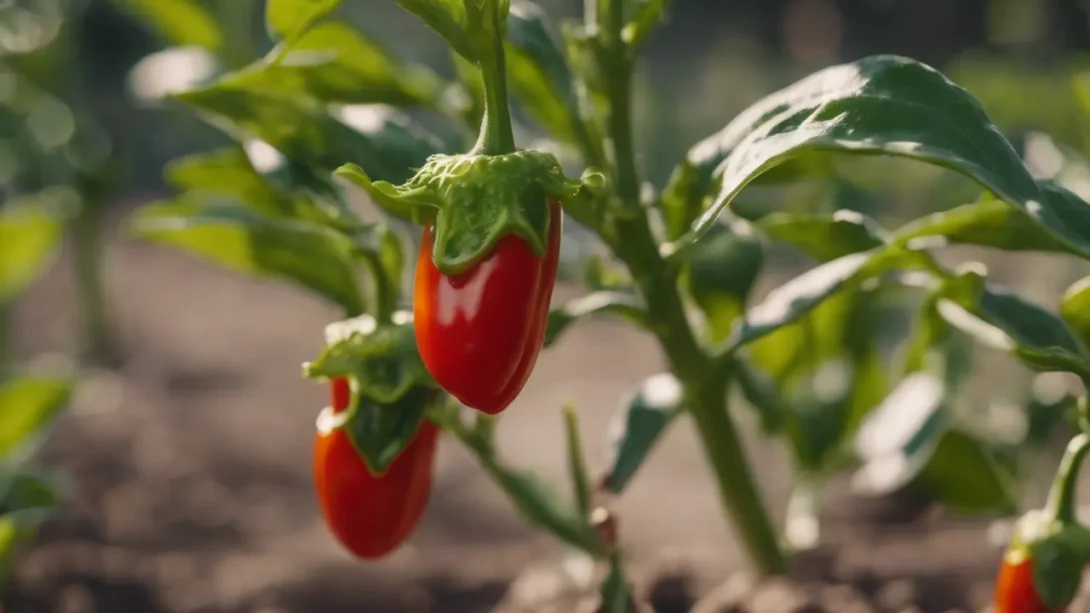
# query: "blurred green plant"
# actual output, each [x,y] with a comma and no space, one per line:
[855,364]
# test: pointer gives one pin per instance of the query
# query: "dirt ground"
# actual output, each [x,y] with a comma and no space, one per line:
[190,481]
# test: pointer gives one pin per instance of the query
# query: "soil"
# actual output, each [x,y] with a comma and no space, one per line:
[190,486]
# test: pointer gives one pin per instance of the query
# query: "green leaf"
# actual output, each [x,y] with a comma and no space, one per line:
[181,22]
[539,74]
[31,229]
[824,237]
[720,272]
[227,172]
[27,497]
[1075,309]
[291,18]
[790,301]
[28,404]
[626,304]
[990,222]
[966,477]
[879,105]
[237,238]
[381,359]
[616,595]
[448,18]
[1008,322]
[377,137]
[333,63]
[638,426]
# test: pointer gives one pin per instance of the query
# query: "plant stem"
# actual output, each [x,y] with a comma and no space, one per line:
[705,383]
[1061,498]
[87,239]
[496,137]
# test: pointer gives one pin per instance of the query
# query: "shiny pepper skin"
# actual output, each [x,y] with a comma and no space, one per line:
[1014,588]
[371,516]
[479,332]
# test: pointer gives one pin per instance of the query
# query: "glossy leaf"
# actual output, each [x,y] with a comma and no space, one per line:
[1075,309]
[28,404]
[381,360]
[638,426]
[539,74]
[1008,322]
[625,304]
[333,63]
[182,22]
[824,237]
[237,238]
[990,222]
[379,138]
[800,295]
[291,18]
[30,233]
[720,272]
[880,105]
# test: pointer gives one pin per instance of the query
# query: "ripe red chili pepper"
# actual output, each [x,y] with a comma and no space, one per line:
[1015,591]
[371,515]
[480,331]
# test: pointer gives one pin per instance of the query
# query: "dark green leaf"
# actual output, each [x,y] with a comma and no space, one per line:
[378,138]
[27,497]
[1007,322]
[28,404]
[30,233]
[1075,309]
[761,393]
[720,272]
[333,63]
[638,426]
[382,360]
[824,237]
[1058,564]
[616,595]
[625,304]
[539,74]
[880,105]
[291,18]
[378,431]
[966,477]
[181,22]
[299,252]
[227,172]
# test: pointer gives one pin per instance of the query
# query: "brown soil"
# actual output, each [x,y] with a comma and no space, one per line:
[190,487]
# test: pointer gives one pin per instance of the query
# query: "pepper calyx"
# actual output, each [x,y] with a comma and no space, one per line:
[1058,551]
[475,200]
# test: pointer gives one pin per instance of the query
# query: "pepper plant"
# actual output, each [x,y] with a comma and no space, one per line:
[326,110]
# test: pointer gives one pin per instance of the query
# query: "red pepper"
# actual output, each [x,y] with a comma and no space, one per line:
[1015,591]
[371,515]
[480,331]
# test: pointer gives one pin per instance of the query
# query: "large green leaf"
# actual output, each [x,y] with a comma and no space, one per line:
[379,138]
[333,63]
[965,475]
[824,237]
[30,232]
[182,22]
[227,172]
[1005,321]
[29,403]
[879,105]
[299,252]
[638,426]
[720,272]
[291,18]
[539,74]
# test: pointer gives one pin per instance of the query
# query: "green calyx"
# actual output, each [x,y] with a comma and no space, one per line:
[475,200]
[391,388]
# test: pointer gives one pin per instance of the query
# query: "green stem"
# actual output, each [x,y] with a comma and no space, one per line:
[1061,498]
[87,239]
[496,136]
[705,384]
